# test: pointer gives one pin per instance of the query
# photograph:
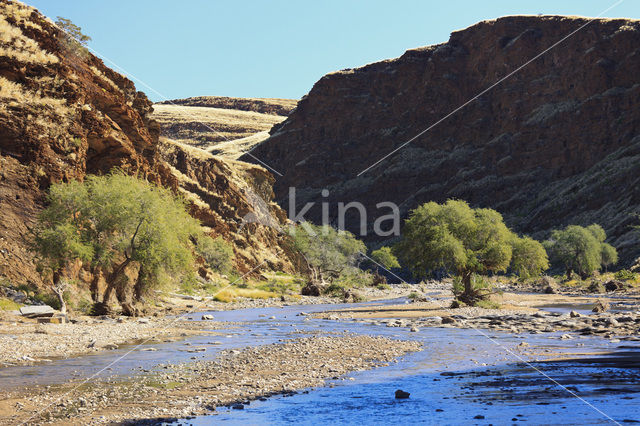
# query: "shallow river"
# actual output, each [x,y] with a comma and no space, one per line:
[461,376]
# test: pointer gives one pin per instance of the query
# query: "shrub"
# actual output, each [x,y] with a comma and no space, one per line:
[327,252]
[216,252]
[626,275]
[385,257]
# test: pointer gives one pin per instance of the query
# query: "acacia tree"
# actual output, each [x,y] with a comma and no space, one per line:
[124,228]
[529,257]
[581,250]
[327,252]
[464,241]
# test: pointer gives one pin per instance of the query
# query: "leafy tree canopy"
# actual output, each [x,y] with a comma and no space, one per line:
[465,241]
[328,252]
[581,250]
[72,30]
[111,222]
[385,257]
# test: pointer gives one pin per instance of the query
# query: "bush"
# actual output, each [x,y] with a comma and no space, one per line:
[626,275]
[327,252]
[216,252]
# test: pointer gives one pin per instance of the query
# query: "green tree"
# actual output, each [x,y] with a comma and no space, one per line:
[73,37]
[326,251]
[385,257]
[529,257]
[216,252]
[133,233]
[581,250]
[461,240]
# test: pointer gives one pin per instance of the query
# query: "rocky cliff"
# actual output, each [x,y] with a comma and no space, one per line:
[556,143]
[64,114]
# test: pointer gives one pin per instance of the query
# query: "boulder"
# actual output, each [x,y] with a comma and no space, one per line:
[313,289]
[548,285]
[614,285]
[400,394]
[207,317]
[35,311]
[600,306]
[596,287]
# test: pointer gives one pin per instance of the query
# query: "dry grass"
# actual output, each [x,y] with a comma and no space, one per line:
[8,305]
[14,44]
[224,132]
[15,92]
[21,13]
[104,78]
[229,294]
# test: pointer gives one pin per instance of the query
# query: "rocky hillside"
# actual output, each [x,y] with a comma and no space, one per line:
[64,114]
[557,143]
[227,127]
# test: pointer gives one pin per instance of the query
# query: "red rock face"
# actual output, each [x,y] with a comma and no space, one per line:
[63,115]
[556,143]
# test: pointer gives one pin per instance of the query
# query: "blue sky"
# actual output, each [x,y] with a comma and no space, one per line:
[276,48]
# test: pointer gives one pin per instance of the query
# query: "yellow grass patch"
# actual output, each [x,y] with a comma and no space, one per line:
[228,294]
[225,132]
[8,305]
[14,44]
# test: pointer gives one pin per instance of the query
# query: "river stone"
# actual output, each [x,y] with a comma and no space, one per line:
[400,394]
[35,311]
[207,317]
[600,306]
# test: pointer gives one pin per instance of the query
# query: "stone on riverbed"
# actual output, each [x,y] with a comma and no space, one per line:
[601,306]
[400,394]
[207,317]
[35,311]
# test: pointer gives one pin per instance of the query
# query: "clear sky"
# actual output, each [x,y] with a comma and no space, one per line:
[276,48]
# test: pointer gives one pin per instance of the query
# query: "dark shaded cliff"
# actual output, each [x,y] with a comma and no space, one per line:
[556,143]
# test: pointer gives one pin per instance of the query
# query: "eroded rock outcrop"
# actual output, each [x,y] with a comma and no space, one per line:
[556,143]
[64,114]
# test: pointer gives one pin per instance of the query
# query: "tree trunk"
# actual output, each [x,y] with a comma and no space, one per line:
[138,289]
[95,286]
[569,273]
[58,288]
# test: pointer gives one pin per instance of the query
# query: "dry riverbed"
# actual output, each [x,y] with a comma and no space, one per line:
[24,341]
[236,377]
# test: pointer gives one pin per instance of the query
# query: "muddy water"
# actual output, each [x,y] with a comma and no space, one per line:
[465,373]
